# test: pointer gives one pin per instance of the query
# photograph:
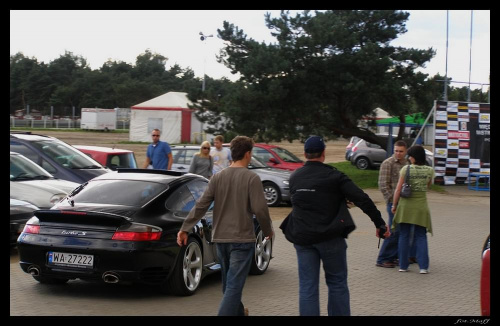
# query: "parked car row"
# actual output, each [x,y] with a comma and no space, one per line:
[275,181]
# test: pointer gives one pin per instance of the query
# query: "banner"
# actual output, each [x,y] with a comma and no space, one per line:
[462,141]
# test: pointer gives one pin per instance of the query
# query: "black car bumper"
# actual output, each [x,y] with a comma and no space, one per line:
[143,262]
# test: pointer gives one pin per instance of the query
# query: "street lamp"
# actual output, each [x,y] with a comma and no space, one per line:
[203,38]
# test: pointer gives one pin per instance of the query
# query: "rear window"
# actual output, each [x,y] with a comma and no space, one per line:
[125,160]
[119,192]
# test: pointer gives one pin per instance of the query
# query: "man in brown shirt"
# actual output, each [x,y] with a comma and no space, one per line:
[387,180]
[237,194]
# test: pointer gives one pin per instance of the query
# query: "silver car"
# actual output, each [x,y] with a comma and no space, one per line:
[366,155]
[30,182]
[275,181]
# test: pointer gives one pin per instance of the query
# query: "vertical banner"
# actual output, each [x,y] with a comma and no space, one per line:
[462,141]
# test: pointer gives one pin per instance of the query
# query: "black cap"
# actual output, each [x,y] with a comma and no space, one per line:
[314,144]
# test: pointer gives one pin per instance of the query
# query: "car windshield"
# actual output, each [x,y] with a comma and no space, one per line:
[66,155]
[112,192]
[286,155]
[255,163]
[22,168]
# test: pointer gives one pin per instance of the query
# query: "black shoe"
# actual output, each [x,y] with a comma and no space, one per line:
[386,264]
[412,260]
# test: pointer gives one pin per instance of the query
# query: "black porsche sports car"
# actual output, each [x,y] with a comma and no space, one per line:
[122,227]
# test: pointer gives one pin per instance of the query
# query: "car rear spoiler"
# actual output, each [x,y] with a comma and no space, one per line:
[80,217]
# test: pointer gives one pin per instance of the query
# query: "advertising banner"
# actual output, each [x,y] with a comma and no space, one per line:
[461,141]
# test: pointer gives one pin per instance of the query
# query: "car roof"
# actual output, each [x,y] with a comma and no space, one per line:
[31,137]
[264,145]
[102,149]
[185,146]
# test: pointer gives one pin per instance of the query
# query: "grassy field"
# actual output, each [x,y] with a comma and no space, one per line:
[366,179]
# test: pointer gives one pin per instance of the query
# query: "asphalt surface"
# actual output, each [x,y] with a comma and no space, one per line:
[461,223]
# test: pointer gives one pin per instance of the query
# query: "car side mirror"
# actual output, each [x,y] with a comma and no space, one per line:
[273,160]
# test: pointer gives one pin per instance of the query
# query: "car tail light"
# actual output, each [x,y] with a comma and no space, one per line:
[32,226]
[137,232]
[355,148]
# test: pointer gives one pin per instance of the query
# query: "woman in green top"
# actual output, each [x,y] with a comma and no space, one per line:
[412,214]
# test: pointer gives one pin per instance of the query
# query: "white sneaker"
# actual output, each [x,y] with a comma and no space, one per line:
[403,270]
[424,271]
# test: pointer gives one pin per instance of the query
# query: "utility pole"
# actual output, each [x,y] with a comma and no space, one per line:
[204,38]
[445,96]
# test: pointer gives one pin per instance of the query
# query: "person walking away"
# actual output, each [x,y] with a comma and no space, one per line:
[158,153]
[387,181]
[317,191]
[237,194]
[221,156]
[412,214]
[202,163]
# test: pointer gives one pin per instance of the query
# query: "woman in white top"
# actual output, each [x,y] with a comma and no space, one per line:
[202,162]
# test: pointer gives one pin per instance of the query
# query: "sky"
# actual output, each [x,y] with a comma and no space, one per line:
[121,35]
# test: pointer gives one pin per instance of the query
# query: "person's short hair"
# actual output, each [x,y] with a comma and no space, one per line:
[310,156]
[418,153]
[219,138]
[401,143]
[239,146]
[156,129]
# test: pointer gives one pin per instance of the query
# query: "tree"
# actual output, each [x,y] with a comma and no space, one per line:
[324,73]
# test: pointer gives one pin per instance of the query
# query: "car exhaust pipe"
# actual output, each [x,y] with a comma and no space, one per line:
[110,277]
[34,270]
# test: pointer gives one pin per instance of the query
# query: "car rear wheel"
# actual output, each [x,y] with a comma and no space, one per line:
[362,163]
[272,194]
[187,273]
[263,254]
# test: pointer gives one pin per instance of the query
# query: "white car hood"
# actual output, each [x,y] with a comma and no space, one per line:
[39,192]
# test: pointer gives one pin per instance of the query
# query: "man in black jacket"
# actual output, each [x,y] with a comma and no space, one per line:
[315,227]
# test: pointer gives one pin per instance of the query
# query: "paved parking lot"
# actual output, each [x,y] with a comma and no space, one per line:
[461,223]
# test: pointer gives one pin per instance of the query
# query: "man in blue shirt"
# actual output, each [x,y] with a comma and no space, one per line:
[158,154]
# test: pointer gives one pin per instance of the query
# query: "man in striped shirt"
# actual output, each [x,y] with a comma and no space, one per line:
[387,180]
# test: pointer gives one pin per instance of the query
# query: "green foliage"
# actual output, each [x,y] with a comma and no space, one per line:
[68,82]
[325,72]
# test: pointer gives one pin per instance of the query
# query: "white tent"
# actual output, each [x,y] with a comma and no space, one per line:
[171,114]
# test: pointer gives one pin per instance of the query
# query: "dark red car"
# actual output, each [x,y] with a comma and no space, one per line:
[485,279]
[277,157]
[112,158]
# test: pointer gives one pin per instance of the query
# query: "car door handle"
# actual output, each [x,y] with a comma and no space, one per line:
[181,168]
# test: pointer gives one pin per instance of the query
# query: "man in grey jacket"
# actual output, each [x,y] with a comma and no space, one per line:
[237,194]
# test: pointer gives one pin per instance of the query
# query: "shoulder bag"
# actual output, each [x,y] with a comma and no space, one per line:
[406,189]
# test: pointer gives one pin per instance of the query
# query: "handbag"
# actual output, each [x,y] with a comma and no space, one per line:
[406,189]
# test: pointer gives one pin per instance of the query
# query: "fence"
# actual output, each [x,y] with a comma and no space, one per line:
[57,123]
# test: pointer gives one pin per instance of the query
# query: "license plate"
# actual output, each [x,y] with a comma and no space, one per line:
[68,259]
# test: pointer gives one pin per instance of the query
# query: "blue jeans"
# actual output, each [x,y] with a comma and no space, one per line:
[389,250]
[420,244]
[235,259]
[333,254]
